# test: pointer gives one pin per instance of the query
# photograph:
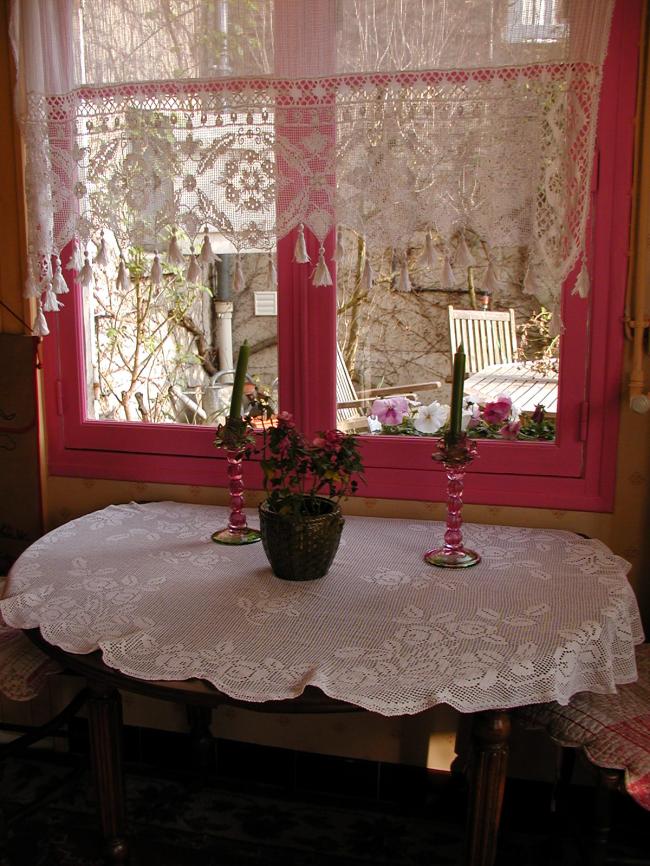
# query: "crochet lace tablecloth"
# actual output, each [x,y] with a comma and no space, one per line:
[545,615]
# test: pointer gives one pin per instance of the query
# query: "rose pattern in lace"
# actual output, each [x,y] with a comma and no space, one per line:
[380,630]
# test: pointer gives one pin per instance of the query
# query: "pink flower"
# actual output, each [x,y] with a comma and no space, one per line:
[391,410]
[499,410]
[318,442]
[511,430]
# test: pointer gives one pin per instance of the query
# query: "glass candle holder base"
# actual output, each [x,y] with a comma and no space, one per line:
[445,558]
[245,535]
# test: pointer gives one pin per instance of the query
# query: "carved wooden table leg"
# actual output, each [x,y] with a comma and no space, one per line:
[491,730]
[105,723]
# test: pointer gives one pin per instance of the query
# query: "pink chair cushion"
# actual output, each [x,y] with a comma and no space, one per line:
[613,730]
[23,667]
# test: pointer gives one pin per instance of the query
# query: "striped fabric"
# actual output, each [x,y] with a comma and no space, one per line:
[613,730]
[23,667]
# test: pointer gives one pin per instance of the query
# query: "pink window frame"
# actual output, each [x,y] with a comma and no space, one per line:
[577,471]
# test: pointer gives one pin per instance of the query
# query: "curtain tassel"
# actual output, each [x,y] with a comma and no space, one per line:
[404,283]
[193,274]
[555,326]
[463,258]
[448,278]
[101,258]
[86,277]
[581,287]
[238,280]
[207,255]
[123,279]
[59,285]
[339,253]
[39,328]
[321,275]
[272,273]
[76,260]
[429,257]
[52,303]
[491,284]
[300,252]
[531,285]
[174,254]
[156,274]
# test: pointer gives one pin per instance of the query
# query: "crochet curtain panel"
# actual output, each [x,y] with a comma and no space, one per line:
[410,122]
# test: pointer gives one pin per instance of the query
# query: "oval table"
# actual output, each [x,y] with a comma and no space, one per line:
[137,597]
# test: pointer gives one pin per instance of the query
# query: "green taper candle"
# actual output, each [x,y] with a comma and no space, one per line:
[457,389]
[240,378]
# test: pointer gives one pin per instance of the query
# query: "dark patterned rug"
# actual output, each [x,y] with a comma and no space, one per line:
[176,822]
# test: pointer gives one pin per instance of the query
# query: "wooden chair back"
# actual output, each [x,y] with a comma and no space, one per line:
[488,337]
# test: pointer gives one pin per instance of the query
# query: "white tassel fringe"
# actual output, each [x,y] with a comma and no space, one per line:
[491,284]
[51,304]
[86,277]
[156,270]
[76,260]
[59,285]
[404,284]
[581,287]
[238,280]
[174,254]
[340,252]
[321,275]
[429,257]
[463,258]
[447,278]
[101,259]
[39,328]
[123,279]
[531,285]
[206,254]
[300,252]
[272,273]
[193,274]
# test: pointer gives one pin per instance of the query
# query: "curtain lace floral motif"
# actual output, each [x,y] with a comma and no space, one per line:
[165,126]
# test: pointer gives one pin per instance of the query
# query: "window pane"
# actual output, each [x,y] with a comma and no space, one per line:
[397,337]
[165,353]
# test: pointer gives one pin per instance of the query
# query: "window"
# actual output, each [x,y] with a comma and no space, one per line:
[570,472]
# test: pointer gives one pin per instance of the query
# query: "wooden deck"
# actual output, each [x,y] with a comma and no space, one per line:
[525,387]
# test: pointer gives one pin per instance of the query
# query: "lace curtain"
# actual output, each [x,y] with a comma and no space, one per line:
[410,122]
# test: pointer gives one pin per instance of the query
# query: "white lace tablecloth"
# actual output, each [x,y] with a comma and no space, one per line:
[545,615]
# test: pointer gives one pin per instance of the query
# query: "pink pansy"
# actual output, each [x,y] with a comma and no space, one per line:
[499,410]
[511,430]
[390,411]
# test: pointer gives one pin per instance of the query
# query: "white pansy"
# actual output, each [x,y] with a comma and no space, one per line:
[471,412]
[471,400]
[431,418]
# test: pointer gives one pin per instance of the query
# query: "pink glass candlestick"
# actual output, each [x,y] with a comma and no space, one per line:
[452,554]
[237,531]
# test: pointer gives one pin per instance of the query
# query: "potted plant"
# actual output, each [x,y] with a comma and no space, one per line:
[301,520]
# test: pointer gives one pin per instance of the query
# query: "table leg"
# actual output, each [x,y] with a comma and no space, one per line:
[490,733]
[105,724]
